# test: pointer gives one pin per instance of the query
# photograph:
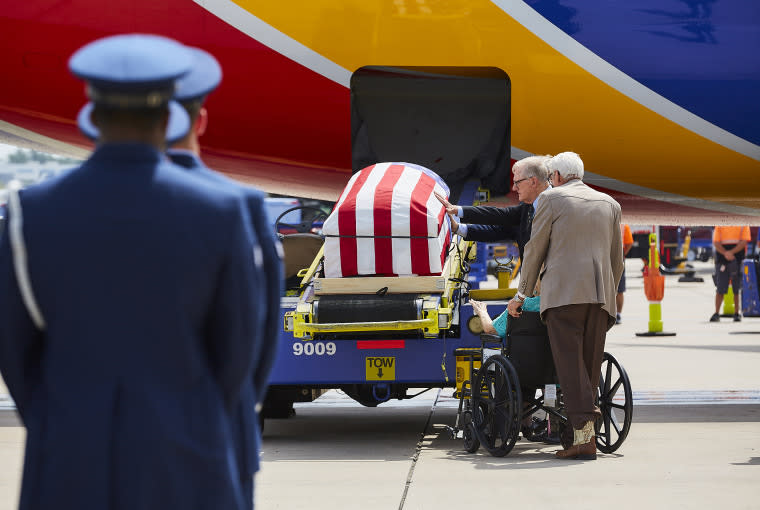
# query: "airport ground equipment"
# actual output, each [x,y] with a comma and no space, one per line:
[373,337]
[493,401]
[300,219]
[750,296]
[680,265]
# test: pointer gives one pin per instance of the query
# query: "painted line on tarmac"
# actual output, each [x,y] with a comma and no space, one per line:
[336,398]
[693,397]
[445,400]
[673,397]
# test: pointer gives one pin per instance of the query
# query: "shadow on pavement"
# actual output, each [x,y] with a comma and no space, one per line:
[350,433]
[753,461]
[524,455]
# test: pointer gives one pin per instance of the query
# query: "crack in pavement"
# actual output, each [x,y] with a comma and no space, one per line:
[417,451]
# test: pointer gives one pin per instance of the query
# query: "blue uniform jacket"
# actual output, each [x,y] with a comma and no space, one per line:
[146,280]
[269,297]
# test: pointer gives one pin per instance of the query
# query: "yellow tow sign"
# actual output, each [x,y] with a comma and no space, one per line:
[381,368]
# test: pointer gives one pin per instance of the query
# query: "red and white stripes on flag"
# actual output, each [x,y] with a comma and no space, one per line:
[388,222]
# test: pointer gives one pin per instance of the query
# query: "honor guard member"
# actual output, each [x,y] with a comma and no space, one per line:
[192,89]
[127,329]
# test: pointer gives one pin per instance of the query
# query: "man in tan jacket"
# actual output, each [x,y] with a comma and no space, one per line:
[576,237]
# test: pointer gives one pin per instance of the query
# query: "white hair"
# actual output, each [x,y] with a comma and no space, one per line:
[533,166]
[568,164]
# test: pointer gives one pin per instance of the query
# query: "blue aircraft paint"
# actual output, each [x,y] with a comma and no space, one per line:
[700,54]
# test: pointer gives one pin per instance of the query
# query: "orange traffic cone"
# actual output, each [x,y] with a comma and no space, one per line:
[654,288]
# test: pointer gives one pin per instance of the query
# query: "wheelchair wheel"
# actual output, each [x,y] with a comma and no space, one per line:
[471,443]
[616,404]
[497,393]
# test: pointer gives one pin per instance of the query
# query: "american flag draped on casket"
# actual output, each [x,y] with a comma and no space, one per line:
[388,222]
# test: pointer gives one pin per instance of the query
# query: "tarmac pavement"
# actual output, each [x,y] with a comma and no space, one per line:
[694,442]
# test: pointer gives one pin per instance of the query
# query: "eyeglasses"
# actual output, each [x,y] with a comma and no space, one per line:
[518,181]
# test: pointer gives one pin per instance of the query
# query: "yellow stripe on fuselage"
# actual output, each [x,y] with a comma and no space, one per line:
[556,104]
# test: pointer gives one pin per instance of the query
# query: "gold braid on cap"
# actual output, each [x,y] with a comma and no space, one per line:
[142,99]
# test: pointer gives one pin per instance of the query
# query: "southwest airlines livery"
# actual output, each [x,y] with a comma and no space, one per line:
[659,97]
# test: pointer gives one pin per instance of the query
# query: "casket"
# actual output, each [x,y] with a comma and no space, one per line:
[388,222]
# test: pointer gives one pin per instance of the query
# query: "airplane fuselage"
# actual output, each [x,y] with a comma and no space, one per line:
[658,97]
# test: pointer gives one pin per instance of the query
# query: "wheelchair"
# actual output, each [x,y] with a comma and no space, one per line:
[492,404]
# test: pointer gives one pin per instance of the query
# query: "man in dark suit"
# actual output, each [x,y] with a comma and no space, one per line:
[192,90]
[128,329]
[488,223]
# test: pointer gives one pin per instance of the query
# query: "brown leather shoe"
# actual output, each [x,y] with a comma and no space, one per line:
[585,451]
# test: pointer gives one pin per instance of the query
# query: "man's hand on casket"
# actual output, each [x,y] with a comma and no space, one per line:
[451,210]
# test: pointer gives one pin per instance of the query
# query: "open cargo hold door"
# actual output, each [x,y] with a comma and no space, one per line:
[452,120]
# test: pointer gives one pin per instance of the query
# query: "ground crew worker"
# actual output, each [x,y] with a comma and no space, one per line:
[730,243]
[136,329]
[192,90]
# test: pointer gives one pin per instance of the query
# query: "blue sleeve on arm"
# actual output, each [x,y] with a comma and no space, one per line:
[21,343]
[532,304]
[235,318]
[500,324]
[273,267]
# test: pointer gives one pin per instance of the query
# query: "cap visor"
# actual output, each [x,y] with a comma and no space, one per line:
[176,129]
[85,122]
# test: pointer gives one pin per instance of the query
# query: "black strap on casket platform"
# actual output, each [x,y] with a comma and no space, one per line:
[368,308]
[529,351]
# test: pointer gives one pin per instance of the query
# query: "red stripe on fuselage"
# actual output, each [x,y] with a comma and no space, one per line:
[267,106]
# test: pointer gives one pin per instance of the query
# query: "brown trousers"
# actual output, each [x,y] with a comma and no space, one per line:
[577,334]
